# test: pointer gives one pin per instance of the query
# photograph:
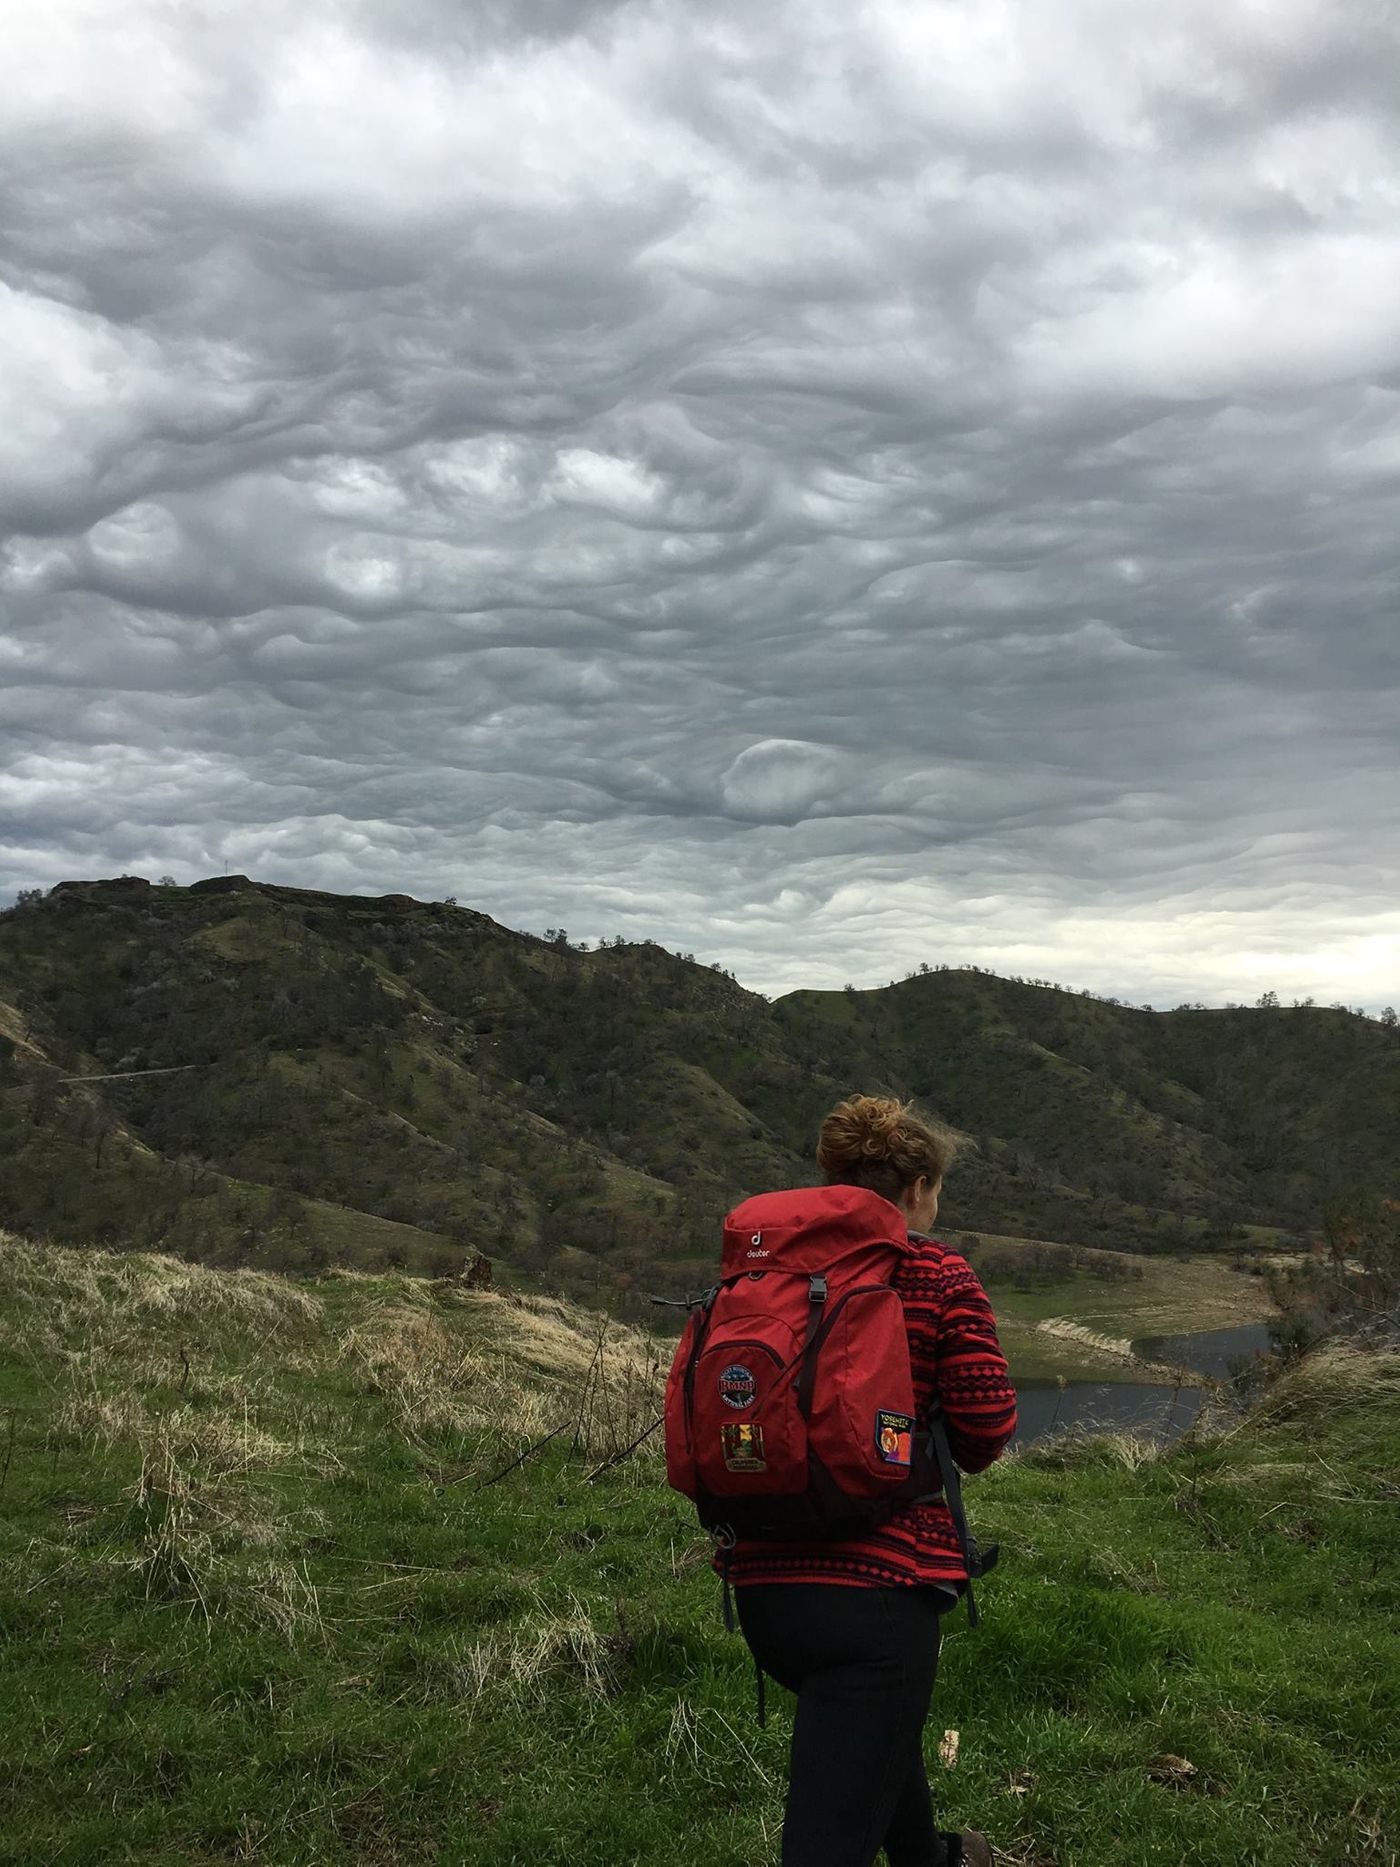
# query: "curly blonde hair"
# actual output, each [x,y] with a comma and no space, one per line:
[879,1143]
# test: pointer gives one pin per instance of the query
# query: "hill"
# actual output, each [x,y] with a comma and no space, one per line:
[281,1076]
[260,1602]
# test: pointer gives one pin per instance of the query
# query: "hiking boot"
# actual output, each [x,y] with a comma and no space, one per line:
[976,1849]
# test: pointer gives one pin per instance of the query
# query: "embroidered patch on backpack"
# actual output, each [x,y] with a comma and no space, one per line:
[743,1447]
[737,1386]
[894,1433]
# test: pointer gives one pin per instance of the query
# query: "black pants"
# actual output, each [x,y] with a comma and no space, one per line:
[862,1663]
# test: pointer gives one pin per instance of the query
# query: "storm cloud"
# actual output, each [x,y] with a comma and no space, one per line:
[828,487]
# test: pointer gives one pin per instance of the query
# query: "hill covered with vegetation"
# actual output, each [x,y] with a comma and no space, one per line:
[270,1592]
[255,1074]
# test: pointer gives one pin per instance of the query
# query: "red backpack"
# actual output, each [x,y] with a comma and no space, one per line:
[790,1402]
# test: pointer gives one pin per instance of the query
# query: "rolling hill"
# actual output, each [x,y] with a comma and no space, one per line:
[248,1073]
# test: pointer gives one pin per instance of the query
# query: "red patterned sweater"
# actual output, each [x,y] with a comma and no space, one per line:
[955,1354]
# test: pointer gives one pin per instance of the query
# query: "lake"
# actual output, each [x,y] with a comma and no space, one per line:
[1131,1406]
[1208,1351]
[1118,1405]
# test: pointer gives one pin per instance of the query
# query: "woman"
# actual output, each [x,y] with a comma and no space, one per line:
[852,1627]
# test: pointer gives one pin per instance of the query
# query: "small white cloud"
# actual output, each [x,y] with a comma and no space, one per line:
[778,781]
[588,478]
[140,537]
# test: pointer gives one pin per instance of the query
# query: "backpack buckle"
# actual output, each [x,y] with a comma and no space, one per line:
[816,1289]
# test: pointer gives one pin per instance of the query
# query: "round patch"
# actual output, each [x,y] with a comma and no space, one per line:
[737,1387]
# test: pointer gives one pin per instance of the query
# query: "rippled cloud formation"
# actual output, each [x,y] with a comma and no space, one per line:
[830,487]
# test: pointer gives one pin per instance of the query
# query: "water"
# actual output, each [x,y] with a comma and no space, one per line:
[1129,1406]
[1208,1351]
[1117,1405]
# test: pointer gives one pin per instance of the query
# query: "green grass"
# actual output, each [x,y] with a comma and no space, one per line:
[253,1606]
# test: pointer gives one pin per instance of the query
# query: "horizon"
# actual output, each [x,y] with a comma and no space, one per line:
[1272,998]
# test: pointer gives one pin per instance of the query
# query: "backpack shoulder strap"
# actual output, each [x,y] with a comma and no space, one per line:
[806,1380]
[978,1561]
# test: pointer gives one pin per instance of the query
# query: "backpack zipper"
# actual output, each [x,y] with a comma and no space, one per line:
[728,1348]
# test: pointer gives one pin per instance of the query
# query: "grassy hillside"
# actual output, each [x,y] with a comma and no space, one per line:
[257,1606]
[279,1076]
[1102,1110]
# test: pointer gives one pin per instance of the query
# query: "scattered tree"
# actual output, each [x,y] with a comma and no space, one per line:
[1350,1285]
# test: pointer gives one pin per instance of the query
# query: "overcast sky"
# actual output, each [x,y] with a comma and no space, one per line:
[826,486]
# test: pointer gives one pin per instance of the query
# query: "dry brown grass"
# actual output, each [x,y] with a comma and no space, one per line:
[57,1299]
[196,1526]
[409,1358]
[506,1368]
[704,1743]
[1335,1380]
[1274,1473]
[547,1644]
[1088,1446]
[1131,1451]
[130,1348]
[227,1440]
[1333,1395]
[150,1347]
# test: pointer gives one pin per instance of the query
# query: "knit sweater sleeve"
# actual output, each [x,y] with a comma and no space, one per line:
[954,1338]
